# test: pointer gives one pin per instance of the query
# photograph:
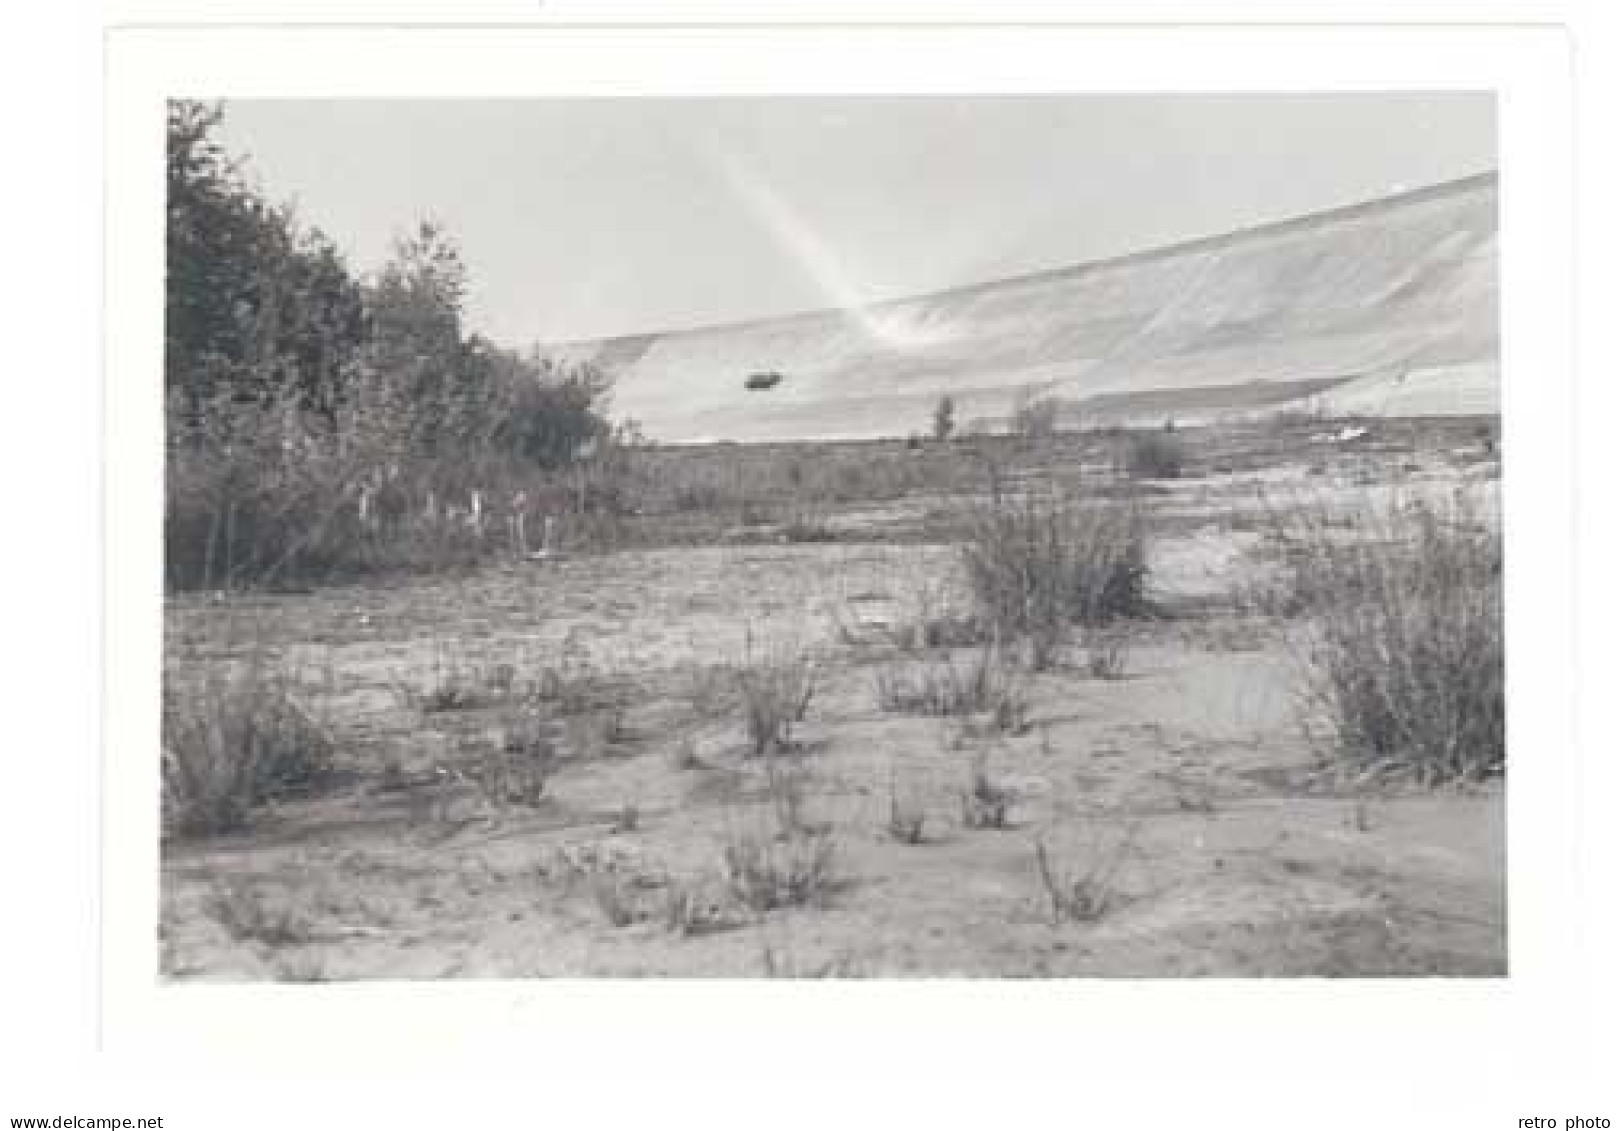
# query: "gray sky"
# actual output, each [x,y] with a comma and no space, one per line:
[587,218]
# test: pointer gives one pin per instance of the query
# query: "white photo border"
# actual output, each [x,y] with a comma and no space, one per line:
[937,1027]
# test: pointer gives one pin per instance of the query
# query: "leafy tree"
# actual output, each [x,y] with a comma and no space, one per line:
[254,305]
[417,303]
[549,415]
[1035,418]
[213,234]
[416,308]
[944,418]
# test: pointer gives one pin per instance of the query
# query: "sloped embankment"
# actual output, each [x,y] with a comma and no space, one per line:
[1397,295]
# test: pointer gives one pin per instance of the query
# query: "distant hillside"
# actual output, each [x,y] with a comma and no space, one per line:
[1388,306]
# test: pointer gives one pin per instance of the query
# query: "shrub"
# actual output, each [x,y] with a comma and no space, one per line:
[766,873]
[942,689]
[907,818]
[775,694]
[941,630]
[1155,455]
[232,742]
[1404,652]
[1035,419]
[1086,895]
[267,491]
[574,686]
[618,899]
[930,621]
[249,916]
[1039,564]
[514,770]
[802,528]
[455,687]
[985,803]
[695,907]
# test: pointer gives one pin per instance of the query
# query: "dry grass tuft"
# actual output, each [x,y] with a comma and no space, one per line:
[907,818]
[230,743]
[619,899]
[766,873]
[695,908]
[1084,896]
[775,694]
[931,621]
[1404,649]
[942,689]
[985,802]
[461,688]
[1039,564]
[245,912]
[514,769]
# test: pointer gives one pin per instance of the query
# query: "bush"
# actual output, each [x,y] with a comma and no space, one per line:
[1086,895]
[1155,455]
[1405,648]
[1035,419]
[766,873]
[514,769]
[985,802]
[248,915]
[232,743]
[266,491]
[931,620]
[942,689]
[1040,564]
[907,818]
[775,693]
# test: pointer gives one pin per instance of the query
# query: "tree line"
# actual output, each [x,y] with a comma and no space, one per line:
[322,423]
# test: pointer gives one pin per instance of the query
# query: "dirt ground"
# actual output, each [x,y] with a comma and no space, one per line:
[1184,794]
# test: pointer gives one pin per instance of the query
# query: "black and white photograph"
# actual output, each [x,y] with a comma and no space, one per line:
[859,536]
[886,562]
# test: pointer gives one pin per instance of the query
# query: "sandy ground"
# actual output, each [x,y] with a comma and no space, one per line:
[1185,790]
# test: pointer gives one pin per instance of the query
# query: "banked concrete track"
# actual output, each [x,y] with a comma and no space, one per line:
[1384,307]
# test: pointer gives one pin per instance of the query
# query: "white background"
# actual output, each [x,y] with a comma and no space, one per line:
[1419,1054]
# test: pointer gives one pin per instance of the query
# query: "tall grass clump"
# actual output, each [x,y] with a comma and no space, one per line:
[1083,895]
[774,693]
[1404,652]
[766,873]
[1039,564]
[231,743]
[942,689]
